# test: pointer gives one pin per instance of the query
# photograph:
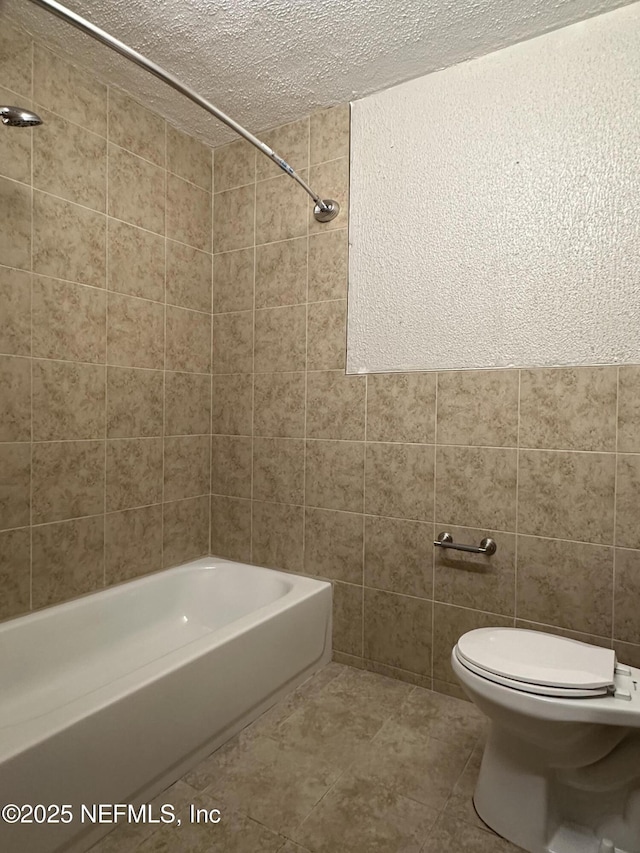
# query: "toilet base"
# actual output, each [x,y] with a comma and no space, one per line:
[528,802]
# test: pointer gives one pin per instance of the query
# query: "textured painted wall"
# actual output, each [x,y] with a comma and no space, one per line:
[494,218]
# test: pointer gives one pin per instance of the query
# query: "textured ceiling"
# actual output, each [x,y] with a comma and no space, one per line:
[267,62]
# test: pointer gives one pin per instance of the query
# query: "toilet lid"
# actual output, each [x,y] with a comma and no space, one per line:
[537,658]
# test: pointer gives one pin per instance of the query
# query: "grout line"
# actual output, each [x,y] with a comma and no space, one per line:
[106,355]
[517,498]
[615,513]
[253,359]
[31,149]
[364,506]
[433,549]
[306,380]
[164,356]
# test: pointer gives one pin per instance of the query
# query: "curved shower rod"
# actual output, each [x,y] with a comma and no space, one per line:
[325,209]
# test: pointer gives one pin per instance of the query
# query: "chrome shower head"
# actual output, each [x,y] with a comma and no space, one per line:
[19,117]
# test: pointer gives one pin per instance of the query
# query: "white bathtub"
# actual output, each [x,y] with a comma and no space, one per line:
[112,697]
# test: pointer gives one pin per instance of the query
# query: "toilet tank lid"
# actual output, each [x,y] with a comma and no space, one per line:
[538,658]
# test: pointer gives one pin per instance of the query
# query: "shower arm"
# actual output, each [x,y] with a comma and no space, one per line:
[324,210]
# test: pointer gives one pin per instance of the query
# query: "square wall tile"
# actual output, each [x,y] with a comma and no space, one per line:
[134,402]
[398,556]
[68,560]
[330,134]
[289,141]
[187,404]
[449,624]
[70,162]
[280,339]
[136,261]
[187,466]
[15,485]
[335,475]
[232,404]
[15,312]
[189,158]
[15,59]
[333,177]
[15,399]
[347,618]
[281,210]
[478,407]
[233,281]
[328,265]
[476,487]
[133,543]
[278,531]
[188,277]
[185,530]
[401,407]
[135,128]
[333,544]
[136,190]
[571,408]
[233,342]
[188,340]
[279,404]
[68,400]
[278,470]
[569,584]
[15,148]
[233,219]
[15,572]
[234,165]
[231,528]
[15,224]
[477,580]
[627,594]
[327,335]
[188,213]
[281,273]
[69,321]
[135,332]
[69,91]
[399,480]
[335,405]
[397,630]
[68,240]
[567,495]
[231,466]
[68,479]
[629,409]
[628,501]
[134,472]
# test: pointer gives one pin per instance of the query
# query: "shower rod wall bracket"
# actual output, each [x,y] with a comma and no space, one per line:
[487,546]
[324,210]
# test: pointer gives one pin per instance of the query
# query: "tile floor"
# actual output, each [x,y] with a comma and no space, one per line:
[351,762]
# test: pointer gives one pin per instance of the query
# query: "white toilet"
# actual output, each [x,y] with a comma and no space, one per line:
[561,769]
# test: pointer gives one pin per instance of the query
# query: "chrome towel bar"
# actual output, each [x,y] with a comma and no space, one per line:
[487,546]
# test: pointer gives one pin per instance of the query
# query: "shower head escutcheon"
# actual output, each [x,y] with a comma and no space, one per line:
[19,117]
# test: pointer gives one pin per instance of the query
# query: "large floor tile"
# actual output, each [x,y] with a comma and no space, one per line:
[407,762]
[362,816]
[450,835]
[235,833]
[443,717]
[274,784]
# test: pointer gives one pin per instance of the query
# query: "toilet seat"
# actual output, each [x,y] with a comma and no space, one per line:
[538,663]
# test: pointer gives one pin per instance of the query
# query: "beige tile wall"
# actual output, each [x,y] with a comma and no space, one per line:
[350,477]
[105,383]
[105,336]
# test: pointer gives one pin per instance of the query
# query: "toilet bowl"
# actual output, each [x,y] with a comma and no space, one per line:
[561,768]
